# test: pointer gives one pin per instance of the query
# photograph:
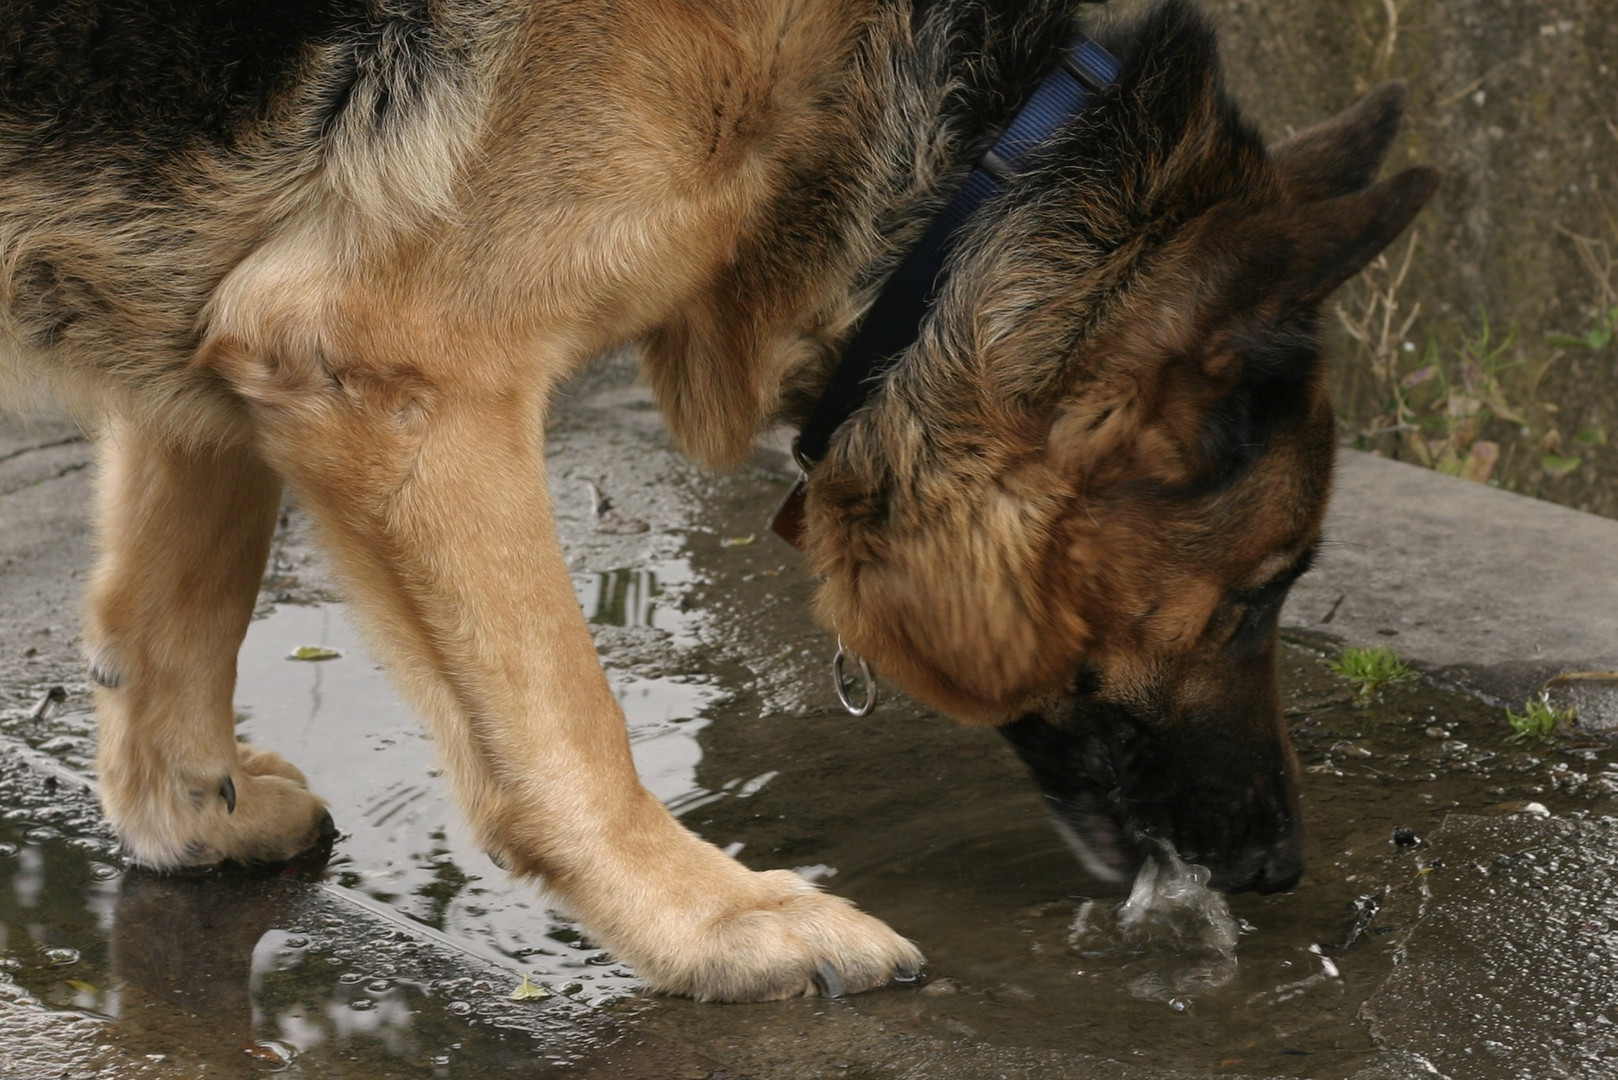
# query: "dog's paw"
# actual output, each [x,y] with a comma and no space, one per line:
[269,763]
[789,940]
[276,817]
[258,809]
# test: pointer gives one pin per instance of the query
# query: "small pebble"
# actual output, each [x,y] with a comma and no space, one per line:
[271,1053]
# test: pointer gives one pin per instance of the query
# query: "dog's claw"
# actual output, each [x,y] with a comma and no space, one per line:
[828,981]
[227,791]
[328,827]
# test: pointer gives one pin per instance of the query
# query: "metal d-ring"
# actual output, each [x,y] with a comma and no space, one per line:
[840,681]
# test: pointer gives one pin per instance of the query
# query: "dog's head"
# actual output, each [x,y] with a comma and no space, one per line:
[1075,508]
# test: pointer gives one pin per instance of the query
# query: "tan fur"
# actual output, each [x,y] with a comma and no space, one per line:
[384,327]
[185,536]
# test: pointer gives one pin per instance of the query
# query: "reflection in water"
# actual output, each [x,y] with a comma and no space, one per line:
[231,973]
[186,942]
[638,596]
[406,844]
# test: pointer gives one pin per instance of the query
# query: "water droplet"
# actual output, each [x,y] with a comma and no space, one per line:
[61,957]
[7,850]
[458,1008]
[362,1004]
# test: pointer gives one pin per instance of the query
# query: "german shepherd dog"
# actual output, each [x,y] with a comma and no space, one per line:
[355,247]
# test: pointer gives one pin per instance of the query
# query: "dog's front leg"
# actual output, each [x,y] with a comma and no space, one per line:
[430,487]
[184,535]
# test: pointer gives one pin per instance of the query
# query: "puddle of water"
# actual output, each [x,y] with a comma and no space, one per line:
[928,825]
[933,827]
[405,844]
[940,834]
[242,970]
[113,972]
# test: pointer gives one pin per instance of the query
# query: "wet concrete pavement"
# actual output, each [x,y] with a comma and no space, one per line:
[1483,949]
[1487,590]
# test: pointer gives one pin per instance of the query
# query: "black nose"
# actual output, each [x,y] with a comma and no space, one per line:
[1279,874]
[1269,868]
[1283,863]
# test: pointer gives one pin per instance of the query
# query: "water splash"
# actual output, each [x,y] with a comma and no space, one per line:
[1174,934]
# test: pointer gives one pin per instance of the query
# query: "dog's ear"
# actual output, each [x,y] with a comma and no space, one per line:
[1169,77]
[1341,155]
[1217,358]
[1233,277]
[1249,272]
[1303,252]
[1177,144]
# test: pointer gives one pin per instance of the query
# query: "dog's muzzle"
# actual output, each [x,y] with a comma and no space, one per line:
[1220,797]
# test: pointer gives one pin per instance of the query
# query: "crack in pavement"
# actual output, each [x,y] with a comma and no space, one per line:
[68,440]
[66,470]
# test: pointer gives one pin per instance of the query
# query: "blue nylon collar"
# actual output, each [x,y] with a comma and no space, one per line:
[894,321]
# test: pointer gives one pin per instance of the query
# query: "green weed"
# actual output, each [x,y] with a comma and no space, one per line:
[1434,404]
[1372,668]
[1538,720]
[1443,405]
[1598,337]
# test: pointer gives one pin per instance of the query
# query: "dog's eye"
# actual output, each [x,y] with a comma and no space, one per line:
[1250,615]
[1250,609]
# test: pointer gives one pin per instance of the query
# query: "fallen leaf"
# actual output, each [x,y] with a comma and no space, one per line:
[1501,408]
[314,652]
[529,991]
[738,541]
[1479,464]
[1556,466]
